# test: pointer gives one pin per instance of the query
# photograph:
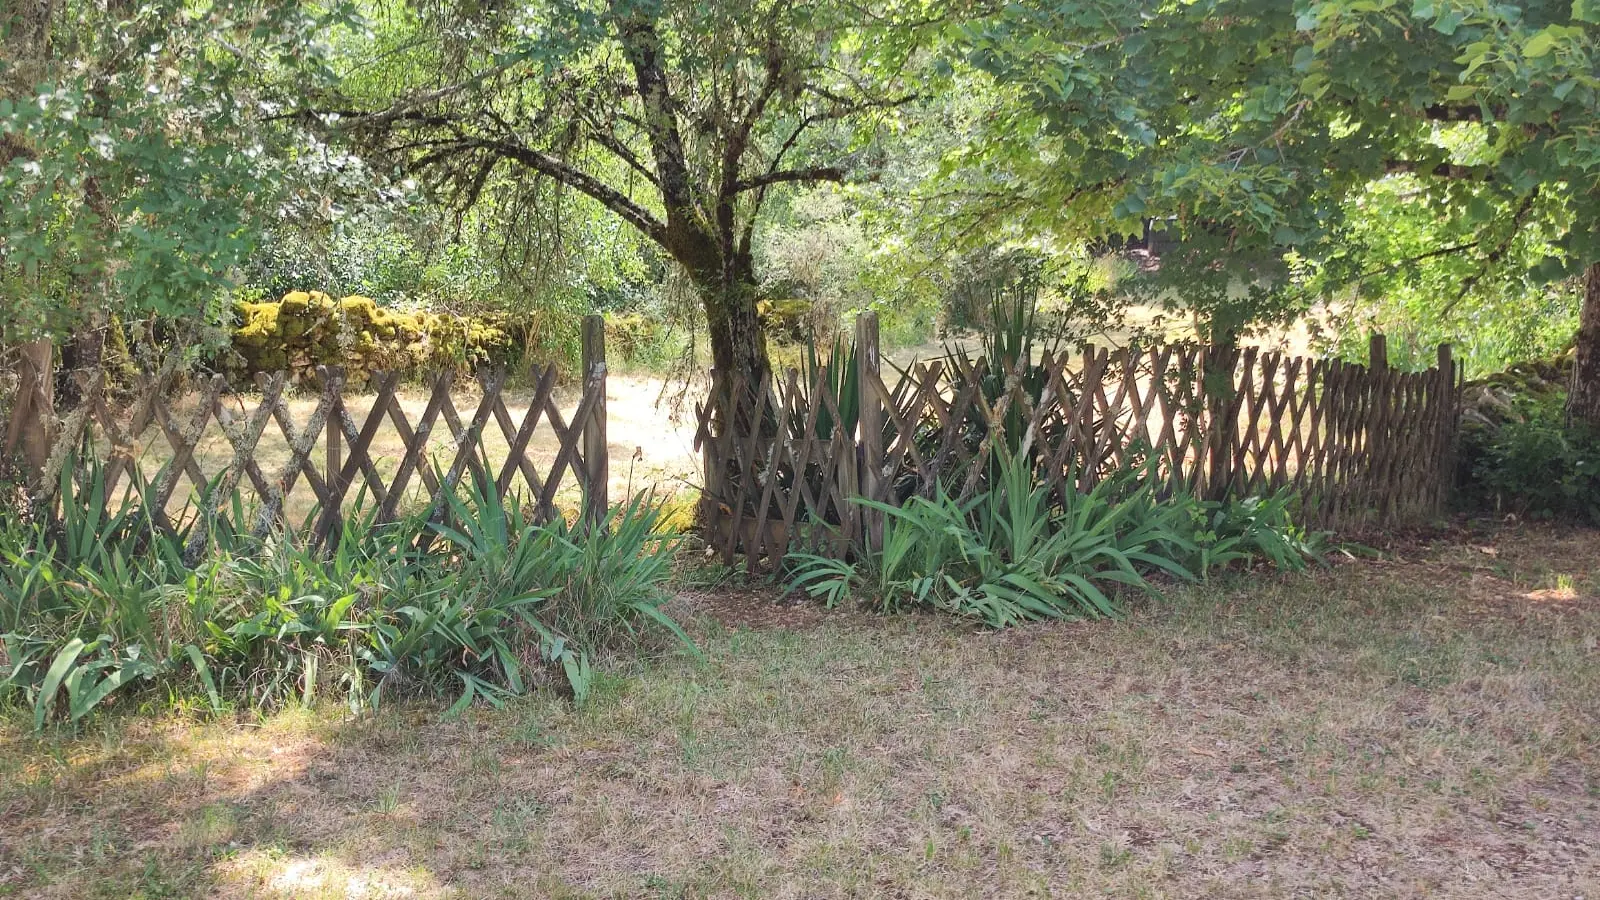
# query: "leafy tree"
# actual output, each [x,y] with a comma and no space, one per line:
[1403,270]
[680,117]
[135,165]
[1258,126]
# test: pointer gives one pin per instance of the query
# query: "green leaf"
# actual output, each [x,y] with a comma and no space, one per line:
[469,688]
[52,680]
[1539,45]
[198,659]
[121,674]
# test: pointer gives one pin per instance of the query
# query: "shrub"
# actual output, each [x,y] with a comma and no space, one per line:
[639,339]
[1533,463]
[1020,552]
[789,320]
[1245,532]
[1009,555]
[308,329]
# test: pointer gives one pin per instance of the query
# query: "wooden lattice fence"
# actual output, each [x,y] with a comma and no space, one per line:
[784,459]
[330,453]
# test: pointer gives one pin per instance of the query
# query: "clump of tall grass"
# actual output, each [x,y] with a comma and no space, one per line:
[1010,554]
[102,603]
[1021,551]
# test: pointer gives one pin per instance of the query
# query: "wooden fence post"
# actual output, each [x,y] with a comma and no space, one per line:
[596,456]
[334,441]
[1446,476]
[1377,491]
[33,426]
[868,369]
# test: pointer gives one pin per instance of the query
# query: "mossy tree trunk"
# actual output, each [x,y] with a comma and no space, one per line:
[1583,401]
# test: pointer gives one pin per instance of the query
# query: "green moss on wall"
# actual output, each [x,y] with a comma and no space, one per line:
[307,329]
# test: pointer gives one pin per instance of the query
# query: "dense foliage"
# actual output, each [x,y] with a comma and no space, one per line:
[1359,158]
[1018,551]
[138,157]
[102,607]
[1539,465]
[1521,454]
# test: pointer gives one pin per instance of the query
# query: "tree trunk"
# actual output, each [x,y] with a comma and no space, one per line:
[728,293]
[33,419]
[738,343]
[1216,376]
[82,352]
[1583,401]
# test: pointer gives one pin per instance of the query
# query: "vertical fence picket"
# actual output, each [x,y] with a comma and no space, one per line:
[596,456]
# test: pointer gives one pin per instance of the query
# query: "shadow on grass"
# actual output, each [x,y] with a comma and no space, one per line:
[1418,724]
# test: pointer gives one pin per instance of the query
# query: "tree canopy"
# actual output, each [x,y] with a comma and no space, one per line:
[1273,131]
[137,156]
[1424,166]
[681,117]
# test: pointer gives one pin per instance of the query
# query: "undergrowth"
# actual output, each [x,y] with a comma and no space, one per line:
[103,604]
[1020,551]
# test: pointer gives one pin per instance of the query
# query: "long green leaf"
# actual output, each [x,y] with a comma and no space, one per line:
[53,678]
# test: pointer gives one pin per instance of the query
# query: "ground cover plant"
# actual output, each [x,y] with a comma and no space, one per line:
[483,603]
[1020,551]
[1417,725]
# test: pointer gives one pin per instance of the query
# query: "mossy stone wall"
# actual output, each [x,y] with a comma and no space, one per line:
[307,329]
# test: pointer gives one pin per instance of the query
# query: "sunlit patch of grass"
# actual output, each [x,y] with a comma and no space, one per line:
[209,827]
[275,873]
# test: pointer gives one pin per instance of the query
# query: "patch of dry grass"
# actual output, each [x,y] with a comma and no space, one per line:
[1419,726]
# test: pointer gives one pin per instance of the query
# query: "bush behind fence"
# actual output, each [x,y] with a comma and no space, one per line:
[330,455]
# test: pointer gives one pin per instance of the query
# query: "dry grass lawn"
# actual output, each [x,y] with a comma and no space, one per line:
[1424,725]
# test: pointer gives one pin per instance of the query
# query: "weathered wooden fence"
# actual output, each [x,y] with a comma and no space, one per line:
[1362,445]
[330,454]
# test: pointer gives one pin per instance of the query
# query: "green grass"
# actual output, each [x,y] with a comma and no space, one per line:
[1415,726]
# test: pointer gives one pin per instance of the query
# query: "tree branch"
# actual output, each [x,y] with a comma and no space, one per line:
[618,149]
[404,107]
[1437,170]
[610,197]
[815,173]
[642,47]
[1495,255]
